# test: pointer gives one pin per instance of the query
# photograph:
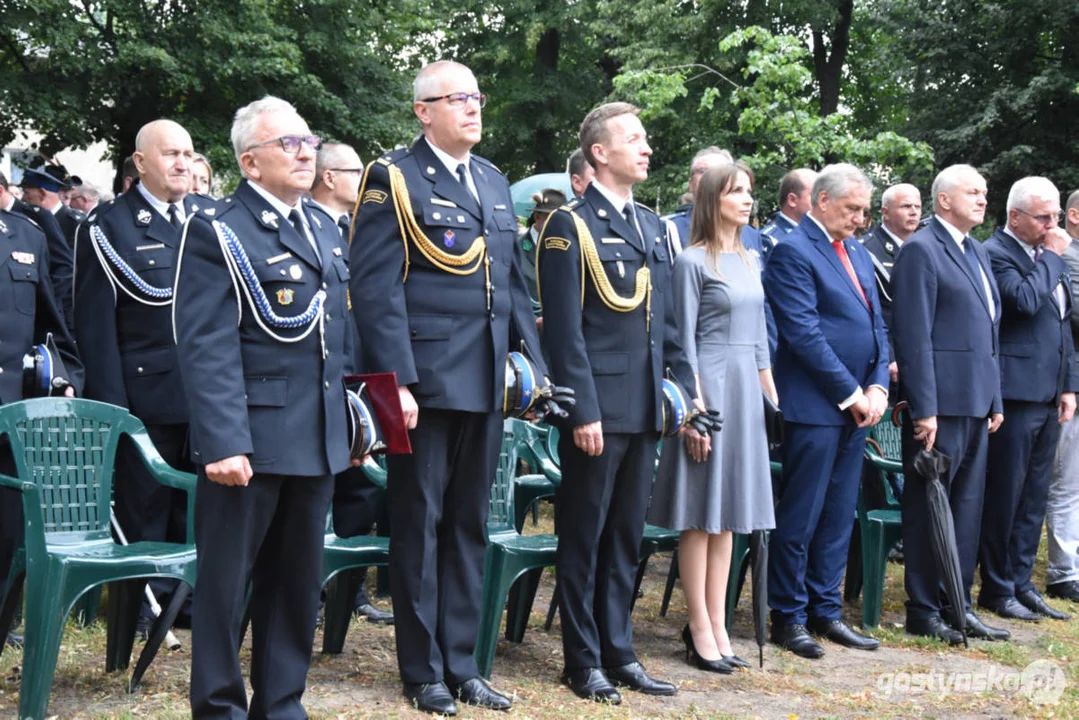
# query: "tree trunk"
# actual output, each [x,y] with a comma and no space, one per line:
[828,61]
[543,138]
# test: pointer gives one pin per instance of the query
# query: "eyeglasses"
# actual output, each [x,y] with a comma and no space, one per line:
[458,99]
[291,143]
[1047,219]
[347,170]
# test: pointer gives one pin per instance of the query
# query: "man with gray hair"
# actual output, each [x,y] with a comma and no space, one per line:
[1062,510]
[946,314]
[85,198]
[258,309]
[1038,384]
[831,373]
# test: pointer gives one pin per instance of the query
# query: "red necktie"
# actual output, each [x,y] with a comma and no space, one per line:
[841,251]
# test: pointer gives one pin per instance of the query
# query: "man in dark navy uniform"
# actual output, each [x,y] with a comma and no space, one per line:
[357,502]
[609,340]
[28,314]
[60,255]
[1038,382]
[42,187]
[434,294]
[126,261]
[261,322]
[794,202]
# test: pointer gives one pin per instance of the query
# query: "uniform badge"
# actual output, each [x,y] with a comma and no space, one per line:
[430,170]
[621,269]
[601,212]
[295,272]
[439,201]
[556,243]
[143,217]
[194,207]
[23,258]
[269,218]
[337,251]
[448,238]
[278,258]
[460,218]
[526,244]
[209,211]
[889,247]
[374,196]
[284,296]
[500,207]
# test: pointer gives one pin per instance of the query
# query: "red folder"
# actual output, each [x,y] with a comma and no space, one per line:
[381,390]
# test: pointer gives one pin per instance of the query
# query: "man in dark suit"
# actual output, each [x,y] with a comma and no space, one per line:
[60,255]
[260,314]
[27,316]
[831,373]
[608,339]
[900,211]
[435,293]
[357,502]
[1038,383]
[126,259]
[947,312]
[42,187]
[794,202]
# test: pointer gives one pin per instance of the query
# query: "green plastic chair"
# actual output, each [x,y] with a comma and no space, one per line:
[341,554]
[880,529]
[530,445]
[510,555]
[64,451]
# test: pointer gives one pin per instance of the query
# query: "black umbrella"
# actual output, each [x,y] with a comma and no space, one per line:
[758,556]
[157,634]
[933,467]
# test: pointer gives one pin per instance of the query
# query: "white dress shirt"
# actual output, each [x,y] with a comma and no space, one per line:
[620,204]
[451,164]
[161,206]
[284,210]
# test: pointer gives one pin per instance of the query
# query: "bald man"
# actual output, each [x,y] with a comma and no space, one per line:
[125,257]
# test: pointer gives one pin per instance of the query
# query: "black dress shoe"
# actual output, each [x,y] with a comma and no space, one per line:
[1067,590]
[735,661]
[978,629]
[431,697]
[933,627]
[796,638]
[15,640]
[634,677]
[591,684]
[374,615]
[1010,608]
[1033,601]
[843,634]
[478,693]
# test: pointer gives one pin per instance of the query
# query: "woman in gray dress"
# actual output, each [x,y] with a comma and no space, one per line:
[708,487]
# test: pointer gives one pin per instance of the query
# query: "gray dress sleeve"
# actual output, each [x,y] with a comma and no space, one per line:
[764,357]
[688,283]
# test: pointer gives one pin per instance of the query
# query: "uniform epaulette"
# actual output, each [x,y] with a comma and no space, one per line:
[392,156]
[78,214]
[19,217]
[644,207]
[488,163]
[572,204]
[100,210]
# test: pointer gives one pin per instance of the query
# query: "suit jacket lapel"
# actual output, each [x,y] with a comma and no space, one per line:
[446,184]
[824,246]
[158,228]
[614,218]
[953,251]
[270,219]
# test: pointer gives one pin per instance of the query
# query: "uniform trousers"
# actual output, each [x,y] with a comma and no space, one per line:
[600,508]
[438,499]
[1062,511]
[821,471]
[268,534]
[965,440]
[1017,482]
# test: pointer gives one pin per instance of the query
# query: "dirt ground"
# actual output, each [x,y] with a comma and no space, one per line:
[362,682]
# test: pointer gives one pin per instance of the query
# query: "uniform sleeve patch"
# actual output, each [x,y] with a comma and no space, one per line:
[556,243]
[374,196]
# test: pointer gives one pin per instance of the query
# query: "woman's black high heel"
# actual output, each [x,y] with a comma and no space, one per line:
[694,658]
[735,661]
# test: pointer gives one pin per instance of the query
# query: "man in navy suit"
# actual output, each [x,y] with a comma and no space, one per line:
[794,202]
[831,372]
[262,338]
[610,334]
[1038,383]
[435,294]
[946,311]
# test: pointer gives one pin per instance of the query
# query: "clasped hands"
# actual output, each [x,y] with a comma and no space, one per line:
[869,408]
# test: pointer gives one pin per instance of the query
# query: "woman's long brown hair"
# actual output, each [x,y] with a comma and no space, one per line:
[707,223]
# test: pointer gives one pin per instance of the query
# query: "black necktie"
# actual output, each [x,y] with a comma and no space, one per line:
[297,222]
[174,218]
[972,257]
[631,218]
[345,223]
[463,178]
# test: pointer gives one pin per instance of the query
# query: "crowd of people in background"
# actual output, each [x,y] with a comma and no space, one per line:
[415,264]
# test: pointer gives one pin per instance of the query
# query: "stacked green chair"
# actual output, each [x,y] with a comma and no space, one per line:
[64,450]
[880,529]
[510,555]
[530,444]
[340,554]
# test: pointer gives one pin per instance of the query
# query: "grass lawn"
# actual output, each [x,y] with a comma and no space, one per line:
[362,682]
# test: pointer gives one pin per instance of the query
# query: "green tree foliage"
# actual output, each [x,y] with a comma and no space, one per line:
[99,69]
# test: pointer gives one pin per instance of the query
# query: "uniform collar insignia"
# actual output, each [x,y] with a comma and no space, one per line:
[601,212]
[430,170]
[3,227]
[194,207]
[209,211]
[143,217]
[269,218]
[889,246]
[337,251]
